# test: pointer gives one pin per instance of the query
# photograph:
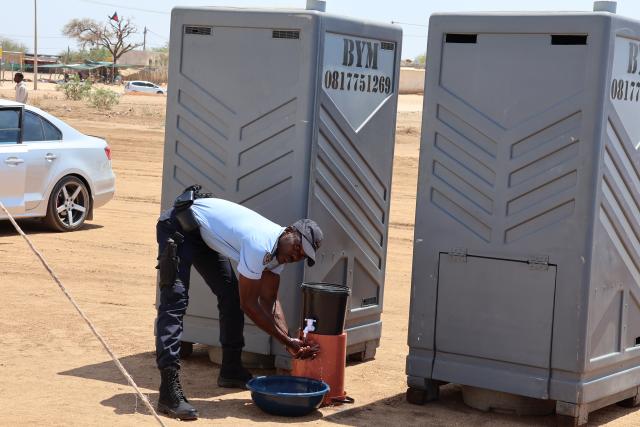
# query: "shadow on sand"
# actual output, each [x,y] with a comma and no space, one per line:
[198,378]
[199,381]
[35,226]
[440,413]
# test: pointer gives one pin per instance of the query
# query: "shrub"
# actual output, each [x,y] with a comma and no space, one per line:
[75,89]
[103,99]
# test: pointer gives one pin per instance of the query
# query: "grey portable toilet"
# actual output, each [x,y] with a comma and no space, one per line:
[526,264]
[291,113]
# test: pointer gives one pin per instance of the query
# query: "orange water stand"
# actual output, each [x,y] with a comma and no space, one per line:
[328,365]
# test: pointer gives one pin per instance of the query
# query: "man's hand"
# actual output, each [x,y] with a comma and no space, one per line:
[300,349]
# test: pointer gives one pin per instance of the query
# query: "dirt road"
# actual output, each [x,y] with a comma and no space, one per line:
[53,372]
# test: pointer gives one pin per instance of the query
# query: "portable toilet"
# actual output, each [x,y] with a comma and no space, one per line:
[292,114]
[526,263]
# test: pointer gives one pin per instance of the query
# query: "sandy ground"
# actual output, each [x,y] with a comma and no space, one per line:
[53,371]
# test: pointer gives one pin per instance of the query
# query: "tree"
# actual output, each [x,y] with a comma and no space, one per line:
[93,54]
[421,59]
[12,45]
[161,49]
[113,36]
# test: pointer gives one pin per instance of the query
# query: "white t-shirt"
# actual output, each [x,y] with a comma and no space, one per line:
[240,234]
[21,92]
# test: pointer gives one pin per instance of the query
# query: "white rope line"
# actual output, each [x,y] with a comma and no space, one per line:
[106,346]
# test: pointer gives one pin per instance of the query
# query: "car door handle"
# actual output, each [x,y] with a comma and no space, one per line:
[13,161]
[51,157]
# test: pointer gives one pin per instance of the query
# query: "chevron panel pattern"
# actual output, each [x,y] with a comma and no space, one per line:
[240,159]
[464,171]
[266,153]
[614,325]
[349,188]
[542,178]
[620,207]
[201,154]
[532,166]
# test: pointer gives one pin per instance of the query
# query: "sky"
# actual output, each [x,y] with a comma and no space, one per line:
[17,21]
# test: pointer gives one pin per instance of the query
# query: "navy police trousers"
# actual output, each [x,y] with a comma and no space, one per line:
[218,274]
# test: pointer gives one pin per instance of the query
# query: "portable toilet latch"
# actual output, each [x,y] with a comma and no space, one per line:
[538,262]
[458,254]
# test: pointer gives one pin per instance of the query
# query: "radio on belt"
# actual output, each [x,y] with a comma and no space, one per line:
[291,113]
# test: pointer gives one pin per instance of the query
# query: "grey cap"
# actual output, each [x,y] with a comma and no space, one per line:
[311,238]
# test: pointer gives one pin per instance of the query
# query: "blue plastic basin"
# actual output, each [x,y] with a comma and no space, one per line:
[287,396]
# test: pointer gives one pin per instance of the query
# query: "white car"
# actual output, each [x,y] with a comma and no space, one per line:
[50,170]
[142,86]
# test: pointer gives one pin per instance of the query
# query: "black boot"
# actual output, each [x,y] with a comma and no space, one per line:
[232,373]
[172,401]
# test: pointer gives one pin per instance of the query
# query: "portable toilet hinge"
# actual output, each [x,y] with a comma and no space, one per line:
[458,254]
[538,262]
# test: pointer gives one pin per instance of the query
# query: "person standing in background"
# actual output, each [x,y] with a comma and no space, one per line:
[21,88]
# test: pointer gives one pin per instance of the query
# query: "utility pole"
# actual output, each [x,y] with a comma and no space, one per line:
[35,44]
[144,40]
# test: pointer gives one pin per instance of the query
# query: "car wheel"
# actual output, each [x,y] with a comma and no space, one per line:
[160,92]
[69,205]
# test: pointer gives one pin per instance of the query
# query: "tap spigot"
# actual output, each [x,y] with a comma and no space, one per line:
[309,328]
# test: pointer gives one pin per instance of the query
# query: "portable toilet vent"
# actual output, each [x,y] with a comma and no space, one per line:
[526,264]
[292,114]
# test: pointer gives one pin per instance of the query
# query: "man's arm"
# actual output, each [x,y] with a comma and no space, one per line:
[265,319]
[270,282]
[259,301]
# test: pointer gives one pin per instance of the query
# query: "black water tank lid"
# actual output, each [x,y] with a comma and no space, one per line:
[326,287]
